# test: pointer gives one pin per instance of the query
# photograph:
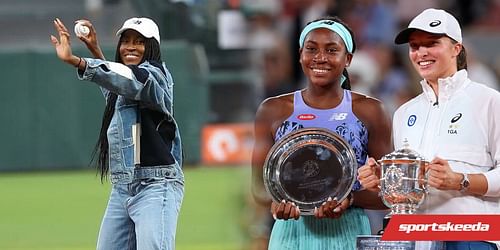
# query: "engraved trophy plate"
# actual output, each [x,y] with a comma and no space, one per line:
[309,165]
[372,242]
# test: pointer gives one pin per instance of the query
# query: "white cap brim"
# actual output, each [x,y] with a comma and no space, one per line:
[143,25]
[434,21]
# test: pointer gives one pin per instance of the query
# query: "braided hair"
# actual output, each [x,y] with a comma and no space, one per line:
[152,52]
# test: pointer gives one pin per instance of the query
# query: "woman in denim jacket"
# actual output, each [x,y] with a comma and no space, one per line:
[139,145]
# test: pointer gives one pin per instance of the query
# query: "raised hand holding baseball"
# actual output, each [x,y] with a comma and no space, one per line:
[81,29]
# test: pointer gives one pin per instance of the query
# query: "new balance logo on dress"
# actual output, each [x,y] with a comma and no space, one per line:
[338,117]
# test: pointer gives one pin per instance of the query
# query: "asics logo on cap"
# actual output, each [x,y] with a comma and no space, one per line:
[137,22]
[435,23]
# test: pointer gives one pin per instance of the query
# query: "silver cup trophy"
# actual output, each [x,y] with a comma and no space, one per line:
[403,182]
[309,165]
[403,187]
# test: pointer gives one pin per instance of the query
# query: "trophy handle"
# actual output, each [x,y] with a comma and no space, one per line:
[426,176]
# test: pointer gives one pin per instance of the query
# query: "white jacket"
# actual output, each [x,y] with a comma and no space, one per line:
[463,127]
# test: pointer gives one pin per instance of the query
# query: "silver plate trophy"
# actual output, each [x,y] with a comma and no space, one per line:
[309,165]
[403,185]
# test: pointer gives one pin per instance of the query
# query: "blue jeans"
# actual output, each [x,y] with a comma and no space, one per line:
[469,245]
[142,215]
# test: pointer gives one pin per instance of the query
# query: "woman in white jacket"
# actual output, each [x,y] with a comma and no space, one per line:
[454,122]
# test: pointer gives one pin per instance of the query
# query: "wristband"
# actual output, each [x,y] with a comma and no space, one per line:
[78,65]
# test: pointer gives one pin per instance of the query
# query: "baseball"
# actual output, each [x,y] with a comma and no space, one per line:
[81,30]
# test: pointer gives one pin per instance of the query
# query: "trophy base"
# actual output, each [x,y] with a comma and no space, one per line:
[403,209]
[396,209]
[370,242]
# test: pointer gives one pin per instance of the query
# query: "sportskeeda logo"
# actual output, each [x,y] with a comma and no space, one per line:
[448,227]
[468,227]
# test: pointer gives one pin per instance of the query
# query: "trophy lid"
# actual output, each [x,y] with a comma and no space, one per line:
[405,153]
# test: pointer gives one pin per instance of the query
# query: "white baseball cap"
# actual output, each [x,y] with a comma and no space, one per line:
[434,21]
[143,25]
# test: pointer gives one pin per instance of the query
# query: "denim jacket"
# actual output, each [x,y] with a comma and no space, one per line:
[145,97]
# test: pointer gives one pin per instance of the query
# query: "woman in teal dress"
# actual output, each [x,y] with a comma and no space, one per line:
[326,50]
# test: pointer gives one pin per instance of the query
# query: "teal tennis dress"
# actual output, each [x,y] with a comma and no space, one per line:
[309,233]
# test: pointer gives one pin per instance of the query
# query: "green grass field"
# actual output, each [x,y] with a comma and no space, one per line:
[62,210]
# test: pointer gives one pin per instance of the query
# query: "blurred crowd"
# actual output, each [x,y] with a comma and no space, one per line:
[379,68]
